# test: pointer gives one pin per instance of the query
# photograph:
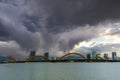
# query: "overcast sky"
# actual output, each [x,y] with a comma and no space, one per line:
[59,25]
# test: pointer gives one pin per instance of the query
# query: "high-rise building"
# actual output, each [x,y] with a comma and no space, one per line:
[46,54]
[114,55]
[93,54]
[105,56]
[32,53]
[88,56]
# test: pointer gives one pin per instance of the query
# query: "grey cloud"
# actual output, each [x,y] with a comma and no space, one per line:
[13,29]
[70,38]
[105,48]
[115,31]
[100,48]
[42,24]
[11,48]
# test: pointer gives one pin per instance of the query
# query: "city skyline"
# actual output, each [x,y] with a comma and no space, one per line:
[69,55]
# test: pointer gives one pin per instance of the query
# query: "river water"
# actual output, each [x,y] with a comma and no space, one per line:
[60,71]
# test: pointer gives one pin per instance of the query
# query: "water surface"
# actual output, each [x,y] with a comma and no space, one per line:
[60,71]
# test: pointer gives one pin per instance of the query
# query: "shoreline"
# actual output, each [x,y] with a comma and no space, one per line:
[62,61]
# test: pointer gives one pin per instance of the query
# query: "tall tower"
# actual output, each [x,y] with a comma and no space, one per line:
[32,53]
[46,54]
[114,55]
[93,54]
[88,56]
[105,56]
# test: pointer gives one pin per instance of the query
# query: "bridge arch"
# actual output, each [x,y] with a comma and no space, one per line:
[11,58]
[62,57]
[33,57]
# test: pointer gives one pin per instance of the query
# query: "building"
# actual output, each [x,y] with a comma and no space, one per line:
[114,56]
[3,59]
[32,53]
[105,56]
[93,54]
[57,58]
[88,56]
[46,54]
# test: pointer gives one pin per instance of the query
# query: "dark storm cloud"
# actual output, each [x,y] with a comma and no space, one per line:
[42,24]
[12,28]
[79,12]
[65,13]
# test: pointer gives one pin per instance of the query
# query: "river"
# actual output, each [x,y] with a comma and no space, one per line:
[60,71]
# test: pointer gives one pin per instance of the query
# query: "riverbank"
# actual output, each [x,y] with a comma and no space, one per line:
[55,61]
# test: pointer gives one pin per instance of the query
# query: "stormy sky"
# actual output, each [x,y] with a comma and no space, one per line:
[58,25]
